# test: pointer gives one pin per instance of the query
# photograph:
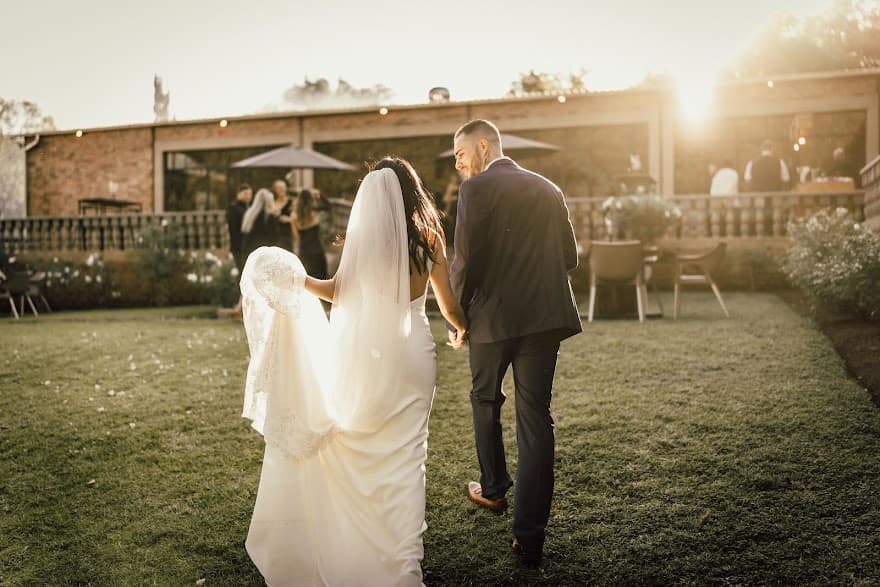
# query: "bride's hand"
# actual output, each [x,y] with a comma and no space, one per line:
[457,338]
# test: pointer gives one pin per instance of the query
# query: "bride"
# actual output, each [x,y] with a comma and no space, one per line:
[343,405]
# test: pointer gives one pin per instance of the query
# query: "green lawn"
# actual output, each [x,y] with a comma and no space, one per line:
[703,451]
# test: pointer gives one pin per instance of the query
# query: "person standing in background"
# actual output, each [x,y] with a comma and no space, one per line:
[284,205]
[725,181]
[307,237]
[234,216]
[449,206]
[260,226]
[842,167]
[767,172]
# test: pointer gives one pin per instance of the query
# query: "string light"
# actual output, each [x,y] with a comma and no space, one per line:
[224,123]
[383,111]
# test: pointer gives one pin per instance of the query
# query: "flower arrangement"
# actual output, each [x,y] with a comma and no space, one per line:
[644,217]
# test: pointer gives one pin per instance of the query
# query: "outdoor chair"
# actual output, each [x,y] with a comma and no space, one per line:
[17,285]
[698,270]
[651,258]
[617,263]
[37,288]
[4,294]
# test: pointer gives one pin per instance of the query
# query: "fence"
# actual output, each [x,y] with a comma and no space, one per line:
[746,216]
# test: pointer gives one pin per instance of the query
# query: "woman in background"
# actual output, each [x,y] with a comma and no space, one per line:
[259,226]
[306,223]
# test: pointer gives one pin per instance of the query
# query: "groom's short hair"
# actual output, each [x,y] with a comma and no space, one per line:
[482,129]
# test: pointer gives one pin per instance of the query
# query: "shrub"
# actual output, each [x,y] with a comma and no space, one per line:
[87,280]
[837,261]
[765,269]
[77,284]
[215,277]
[163,259]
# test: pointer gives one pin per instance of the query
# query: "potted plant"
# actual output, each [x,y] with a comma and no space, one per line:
[644,217]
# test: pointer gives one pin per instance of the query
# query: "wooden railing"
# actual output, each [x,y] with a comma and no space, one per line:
[743,216]
[752,215]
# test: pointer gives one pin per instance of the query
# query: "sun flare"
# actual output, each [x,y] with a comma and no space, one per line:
[696,94]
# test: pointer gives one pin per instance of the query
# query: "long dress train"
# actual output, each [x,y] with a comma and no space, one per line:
[343,406]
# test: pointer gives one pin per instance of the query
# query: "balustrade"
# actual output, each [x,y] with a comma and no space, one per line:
[751,215]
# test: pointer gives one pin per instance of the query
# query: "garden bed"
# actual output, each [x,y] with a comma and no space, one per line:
[856,341]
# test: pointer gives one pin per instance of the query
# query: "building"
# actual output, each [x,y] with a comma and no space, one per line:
[179,166]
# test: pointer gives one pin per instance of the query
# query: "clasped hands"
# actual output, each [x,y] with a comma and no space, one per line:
[457,338]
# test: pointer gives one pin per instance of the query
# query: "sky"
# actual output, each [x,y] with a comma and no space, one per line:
[90,63]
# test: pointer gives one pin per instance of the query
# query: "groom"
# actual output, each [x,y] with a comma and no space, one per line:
[514,246]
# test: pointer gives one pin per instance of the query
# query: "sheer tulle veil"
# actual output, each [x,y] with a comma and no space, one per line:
[345,378]
[370,316]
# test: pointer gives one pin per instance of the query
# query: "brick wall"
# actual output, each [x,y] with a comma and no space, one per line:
[63,169]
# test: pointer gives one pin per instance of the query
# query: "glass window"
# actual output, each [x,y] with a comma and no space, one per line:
[205,180]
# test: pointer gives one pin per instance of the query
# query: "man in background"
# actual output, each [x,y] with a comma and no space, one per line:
[842,167]
[767,172]
[234,214]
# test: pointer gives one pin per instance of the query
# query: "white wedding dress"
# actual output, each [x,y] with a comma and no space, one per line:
[343,406]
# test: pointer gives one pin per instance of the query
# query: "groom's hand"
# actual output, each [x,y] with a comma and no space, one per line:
[457,338]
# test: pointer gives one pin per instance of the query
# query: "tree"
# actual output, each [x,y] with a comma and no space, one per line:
[319,94]
[161,100]
[18,118]
[845,36]
[22,117]
[543,82]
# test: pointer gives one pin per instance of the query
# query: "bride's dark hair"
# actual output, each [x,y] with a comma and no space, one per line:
[422,219]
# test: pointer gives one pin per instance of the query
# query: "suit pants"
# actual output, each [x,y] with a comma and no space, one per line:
[533,358]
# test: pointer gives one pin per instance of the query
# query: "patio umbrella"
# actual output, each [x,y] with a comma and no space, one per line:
[293,157]
[514,144]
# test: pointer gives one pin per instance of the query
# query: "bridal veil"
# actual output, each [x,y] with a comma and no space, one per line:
[342,405]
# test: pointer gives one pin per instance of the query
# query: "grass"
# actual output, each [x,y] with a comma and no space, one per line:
[702,451]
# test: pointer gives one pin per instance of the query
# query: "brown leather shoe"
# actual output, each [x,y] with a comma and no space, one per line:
[475,493]
[527,556]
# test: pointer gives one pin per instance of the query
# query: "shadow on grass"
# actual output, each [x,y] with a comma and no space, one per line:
[703,450]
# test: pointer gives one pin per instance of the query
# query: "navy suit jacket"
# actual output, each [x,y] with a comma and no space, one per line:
[514,247]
